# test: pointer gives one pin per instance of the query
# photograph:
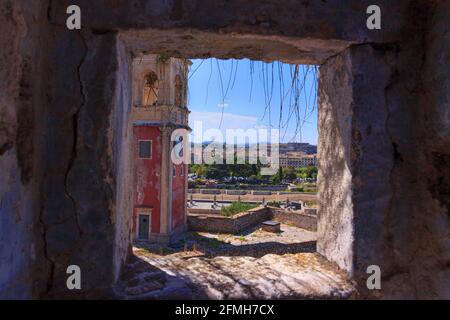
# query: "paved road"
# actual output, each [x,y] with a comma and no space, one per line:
[257,198]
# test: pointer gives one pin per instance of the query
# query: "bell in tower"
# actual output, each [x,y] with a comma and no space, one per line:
[151,89]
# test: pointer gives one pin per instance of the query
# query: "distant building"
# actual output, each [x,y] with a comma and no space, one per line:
[285,150]
[297,160]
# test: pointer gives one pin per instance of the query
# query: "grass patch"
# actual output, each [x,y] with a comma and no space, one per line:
[242,238]
[276,204]
[235,208]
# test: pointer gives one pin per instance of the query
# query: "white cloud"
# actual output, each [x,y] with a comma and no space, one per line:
[222,105]
[205,126]
[212,120]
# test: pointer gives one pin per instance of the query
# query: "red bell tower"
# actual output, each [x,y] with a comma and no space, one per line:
[159,110]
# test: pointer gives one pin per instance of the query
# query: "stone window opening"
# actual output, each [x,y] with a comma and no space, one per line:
[151,89]
[298,238]
[336,225]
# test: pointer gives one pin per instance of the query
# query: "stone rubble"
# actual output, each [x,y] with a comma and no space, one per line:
[224,273]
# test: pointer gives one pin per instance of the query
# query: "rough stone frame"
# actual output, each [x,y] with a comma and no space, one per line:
[76,113]
[351,230]
[336,107]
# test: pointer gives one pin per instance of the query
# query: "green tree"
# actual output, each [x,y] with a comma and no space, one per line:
[289,173]
[277,177]
[199,169]
[307,172]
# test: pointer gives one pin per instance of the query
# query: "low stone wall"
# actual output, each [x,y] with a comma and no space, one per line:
[310,211]
[235,224]
[251,218]
[209,220]
[203,211]
[236,192]
[298,219]
[210,191]
[262,193]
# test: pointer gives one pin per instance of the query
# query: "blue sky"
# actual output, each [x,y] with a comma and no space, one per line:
[227,104]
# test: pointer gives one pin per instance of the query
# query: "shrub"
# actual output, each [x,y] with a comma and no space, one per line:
[192,184]
[276,204]
[235,208]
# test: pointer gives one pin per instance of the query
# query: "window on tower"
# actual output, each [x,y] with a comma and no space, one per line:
[145,149]
[151,89]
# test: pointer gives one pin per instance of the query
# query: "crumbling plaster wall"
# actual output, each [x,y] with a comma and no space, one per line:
[86,202]
[295,31]
[356,160]
[22,269]
[434,222]
[122,144]
[394,148]
[335,210]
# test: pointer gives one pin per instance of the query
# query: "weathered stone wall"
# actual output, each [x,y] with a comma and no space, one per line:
[234,224]
[85,214]
[122,150]
[210,223]
[392,202]
[432,257]
[251,218]
[22,35]
[300,220]
[310,211]
[206,220]
[364,197]
[335,210]
[203,211]
[295,31]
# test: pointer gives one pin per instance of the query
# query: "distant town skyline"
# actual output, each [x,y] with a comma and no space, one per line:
[241,94]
